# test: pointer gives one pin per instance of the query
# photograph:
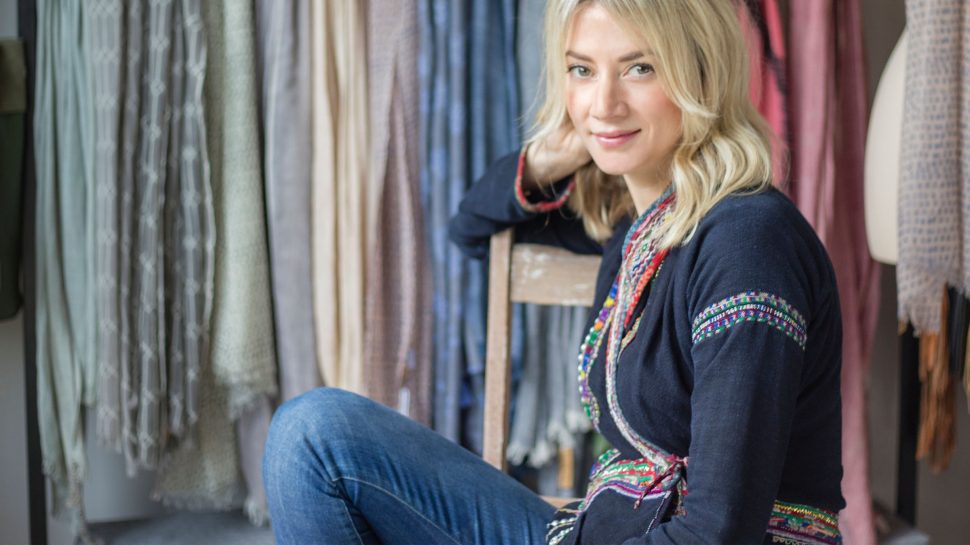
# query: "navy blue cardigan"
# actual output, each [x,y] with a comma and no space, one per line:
[735,366]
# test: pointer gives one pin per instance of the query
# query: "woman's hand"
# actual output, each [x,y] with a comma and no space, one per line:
[554,157]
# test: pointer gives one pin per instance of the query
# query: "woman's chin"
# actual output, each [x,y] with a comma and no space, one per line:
[610,167]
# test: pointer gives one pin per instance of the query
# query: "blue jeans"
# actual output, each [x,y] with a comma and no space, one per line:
[341,469]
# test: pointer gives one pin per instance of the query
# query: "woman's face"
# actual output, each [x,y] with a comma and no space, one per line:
[616,100]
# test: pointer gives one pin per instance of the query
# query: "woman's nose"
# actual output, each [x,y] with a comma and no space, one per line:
[608,101]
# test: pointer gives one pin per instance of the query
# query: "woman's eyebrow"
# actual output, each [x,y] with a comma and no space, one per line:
[625,58]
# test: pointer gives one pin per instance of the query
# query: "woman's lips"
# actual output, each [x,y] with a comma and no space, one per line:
[614,139]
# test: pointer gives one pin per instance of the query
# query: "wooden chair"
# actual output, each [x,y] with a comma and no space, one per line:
[523,273]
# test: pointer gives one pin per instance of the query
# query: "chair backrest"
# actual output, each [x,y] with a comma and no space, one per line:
[523,273]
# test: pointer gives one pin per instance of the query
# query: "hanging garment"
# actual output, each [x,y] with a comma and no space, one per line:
[397,355]
[529,58]
[107,55]
[284,51]
[828,108]
[762,28]
[13,107]
[469,97]
[493,114]
[932,165]
[934,203]
[548,414]
[339,188]
[64,241]
[204,472]
[154,224]
[242,331]
[242,349]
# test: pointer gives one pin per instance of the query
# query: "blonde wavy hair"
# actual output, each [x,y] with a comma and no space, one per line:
[703,67]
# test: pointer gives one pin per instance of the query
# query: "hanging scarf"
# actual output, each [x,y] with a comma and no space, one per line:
[763,32]
[65,318]
[469,101]
[397,351]
[934,203]
[828,113]
[242,352]
[284,50]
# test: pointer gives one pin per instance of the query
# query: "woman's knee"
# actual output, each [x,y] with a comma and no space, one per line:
[319,412]
[303,426]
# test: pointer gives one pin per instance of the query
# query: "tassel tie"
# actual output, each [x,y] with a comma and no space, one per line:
[675,469]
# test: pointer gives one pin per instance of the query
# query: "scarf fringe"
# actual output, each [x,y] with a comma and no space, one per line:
[256,512]
[937,431]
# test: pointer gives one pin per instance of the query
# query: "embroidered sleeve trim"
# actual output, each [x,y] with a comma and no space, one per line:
[542,205]
[750,306]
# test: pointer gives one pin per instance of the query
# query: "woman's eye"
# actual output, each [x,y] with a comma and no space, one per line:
[579,71]
[641,69]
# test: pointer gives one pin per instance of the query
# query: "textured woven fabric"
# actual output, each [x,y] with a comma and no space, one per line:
[397,356]
[469,112]
[107,53]
[548,415]
[934,203]
[935,161]
[204,473]
[64,240]
[828,108]
[339,187]
[154,223]
[243,353]
[243,364]
[284,52]
[762,27]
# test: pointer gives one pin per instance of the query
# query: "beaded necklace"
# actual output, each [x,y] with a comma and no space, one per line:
[639,265]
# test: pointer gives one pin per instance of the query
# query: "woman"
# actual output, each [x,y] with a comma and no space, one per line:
[712,361]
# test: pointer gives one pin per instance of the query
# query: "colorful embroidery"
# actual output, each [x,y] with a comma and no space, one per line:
[792,523]
[634,479]
[560,526]
[640,479]
[750,306]
[641,261]
[588,352]
[542,206]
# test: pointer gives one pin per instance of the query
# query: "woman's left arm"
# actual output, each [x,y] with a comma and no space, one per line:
[749,298]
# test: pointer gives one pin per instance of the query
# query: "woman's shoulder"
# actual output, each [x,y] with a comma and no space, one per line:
[766,218]
[759,238]
[768,206]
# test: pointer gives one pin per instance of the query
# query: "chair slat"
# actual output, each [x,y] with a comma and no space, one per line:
[546,275]
[497,365]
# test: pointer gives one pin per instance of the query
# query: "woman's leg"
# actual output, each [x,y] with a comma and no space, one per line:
[342,469]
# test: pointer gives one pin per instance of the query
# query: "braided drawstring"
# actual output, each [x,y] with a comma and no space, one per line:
[676,468]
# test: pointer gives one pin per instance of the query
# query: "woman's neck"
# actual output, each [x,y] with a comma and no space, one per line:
[645,190]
